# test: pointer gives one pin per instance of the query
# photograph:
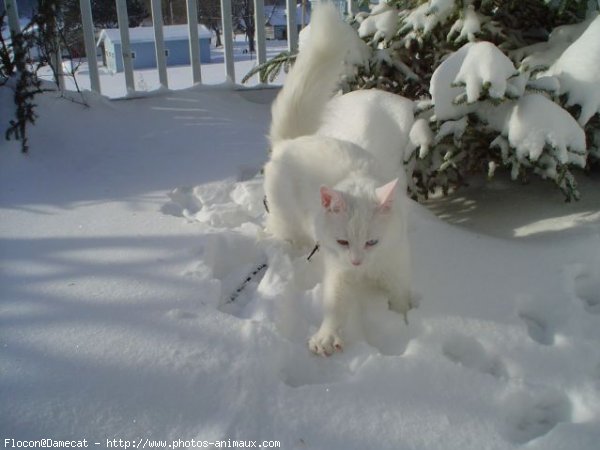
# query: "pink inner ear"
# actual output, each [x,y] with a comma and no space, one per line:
[332,200]
[385,195]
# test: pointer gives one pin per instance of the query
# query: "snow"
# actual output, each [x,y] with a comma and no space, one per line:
[466,27]
[578,72]
[130,224]
[485,68]
[179,77]
[480,79]
[451,127]
[536,122]
[444,92]
[421,137]
[440,6]
[146,34]
[381,24]
[474,72]
[426,17]
[419,19]
[544,54]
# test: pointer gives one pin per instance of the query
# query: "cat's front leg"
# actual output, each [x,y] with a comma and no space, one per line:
[326,341]
[399,294]
[401,303]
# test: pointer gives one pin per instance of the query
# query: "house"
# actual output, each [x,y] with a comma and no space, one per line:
[276,20]
[143,51]
[276,16]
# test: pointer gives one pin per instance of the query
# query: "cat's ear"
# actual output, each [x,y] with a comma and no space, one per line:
[332,200]
[385,195]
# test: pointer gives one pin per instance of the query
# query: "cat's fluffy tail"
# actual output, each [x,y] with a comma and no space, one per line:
[311,82]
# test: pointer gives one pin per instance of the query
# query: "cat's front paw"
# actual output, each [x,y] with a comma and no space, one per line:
[401,304]
[325,342]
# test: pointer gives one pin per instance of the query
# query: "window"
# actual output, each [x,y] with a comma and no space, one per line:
[132,55]
[167,53]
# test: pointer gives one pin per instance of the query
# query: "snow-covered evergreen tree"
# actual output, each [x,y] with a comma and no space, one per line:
[498,83]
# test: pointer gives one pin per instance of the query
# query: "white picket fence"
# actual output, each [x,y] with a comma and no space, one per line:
[157,21]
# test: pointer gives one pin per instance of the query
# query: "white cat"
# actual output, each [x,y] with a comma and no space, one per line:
[335,176]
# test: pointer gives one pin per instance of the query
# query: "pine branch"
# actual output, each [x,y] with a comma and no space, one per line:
[272,68]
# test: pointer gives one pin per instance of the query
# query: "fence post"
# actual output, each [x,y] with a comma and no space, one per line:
[228,39]
[13,17]
[259,31]
[90,43]
[292,26]
[352,8]
[192,18]
[123,20]
[159,43]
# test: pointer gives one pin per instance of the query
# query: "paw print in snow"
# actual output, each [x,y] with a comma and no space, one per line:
[529,416]
[587,289]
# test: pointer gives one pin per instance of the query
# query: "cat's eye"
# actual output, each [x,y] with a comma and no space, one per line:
[371,243]
[343,243]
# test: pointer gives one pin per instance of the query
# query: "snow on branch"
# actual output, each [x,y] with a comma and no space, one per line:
[578,72]
[421,137]
[534,123]
[467,27]
[542,55]
[443,92]
[535,132]
[382,23]
[425,18]
[485,71]
[506,88]
[477,71]
[544,136]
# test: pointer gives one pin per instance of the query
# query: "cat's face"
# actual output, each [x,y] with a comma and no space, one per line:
[355,226]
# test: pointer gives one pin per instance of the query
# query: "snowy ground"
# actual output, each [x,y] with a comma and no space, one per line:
[126,230]
[179,77]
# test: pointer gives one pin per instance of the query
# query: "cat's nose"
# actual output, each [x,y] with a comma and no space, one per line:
[356,262]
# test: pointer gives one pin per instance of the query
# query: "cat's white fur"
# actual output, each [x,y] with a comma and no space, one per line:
[336,175]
